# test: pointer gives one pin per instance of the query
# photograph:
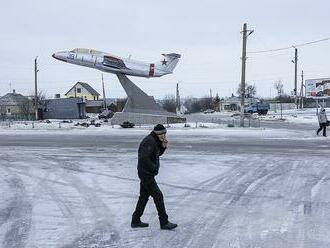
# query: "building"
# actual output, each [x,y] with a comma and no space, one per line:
[84,91]
[233,103]
[230,103]
[63,108]
[16,106]
[98,106]
[113,104]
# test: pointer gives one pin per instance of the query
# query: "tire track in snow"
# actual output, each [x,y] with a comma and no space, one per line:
[104,233]
[204,232]
[19,171]
[17,215]
[185,232]
[180,201]
[254,178]
[235,181]
[280,171]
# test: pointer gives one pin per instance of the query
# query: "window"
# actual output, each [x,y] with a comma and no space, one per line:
[8,111]
[78,90]
[84,50]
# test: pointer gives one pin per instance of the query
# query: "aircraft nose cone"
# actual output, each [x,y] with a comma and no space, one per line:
[60,56]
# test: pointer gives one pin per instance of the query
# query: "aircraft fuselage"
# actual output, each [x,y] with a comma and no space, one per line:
[114,64]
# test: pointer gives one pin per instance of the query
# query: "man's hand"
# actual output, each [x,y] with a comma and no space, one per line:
[163,140]
[164,143]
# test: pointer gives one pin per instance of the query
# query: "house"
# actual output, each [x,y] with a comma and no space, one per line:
[63,108]
[84,91]
[230,103]
[16,106]
[233,103]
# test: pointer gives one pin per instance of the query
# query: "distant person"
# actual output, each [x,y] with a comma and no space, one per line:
[323,121]
[151,147]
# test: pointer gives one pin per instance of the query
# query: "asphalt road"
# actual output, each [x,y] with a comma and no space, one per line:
[79,190]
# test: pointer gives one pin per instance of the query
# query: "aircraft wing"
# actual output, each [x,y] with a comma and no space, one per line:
[113,62]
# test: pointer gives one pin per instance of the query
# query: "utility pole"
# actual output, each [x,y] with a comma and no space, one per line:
[36,87]
[295,75]
[104,100]
[178,103]
[301,90]
[210,93]
[245,33]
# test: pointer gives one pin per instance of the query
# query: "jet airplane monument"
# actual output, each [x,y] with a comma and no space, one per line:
[140,108]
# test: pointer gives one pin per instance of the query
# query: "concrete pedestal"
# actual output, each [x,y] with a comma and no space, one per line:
[141,108]
[139,118]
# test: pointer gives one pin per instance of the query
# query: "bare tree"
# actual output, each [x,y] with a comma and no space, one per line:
[279,87]
[216,102]
[250,90]
[206,103]
[41,97]
[192,105]
[26,108]
[169,103]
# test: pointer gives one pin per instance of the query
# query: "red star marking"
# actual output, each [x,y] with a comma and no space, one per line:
[164,62]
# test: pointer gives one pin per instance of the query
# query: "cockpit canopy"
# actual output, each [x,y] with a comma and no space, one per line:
[85,50]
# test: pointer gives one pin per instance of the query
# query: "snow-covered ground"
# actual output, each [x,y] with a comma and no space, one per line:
[299,116]
[307,116]
[295,115]
[225,187]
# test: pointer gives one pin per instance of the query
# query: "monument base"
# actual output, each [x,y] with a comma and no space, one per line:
[141,118]
[141,108]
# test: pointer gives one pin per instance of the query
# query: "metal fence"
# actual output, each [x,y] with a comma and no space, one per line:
[249,121]
[4,118]
[236,122]
[8,123]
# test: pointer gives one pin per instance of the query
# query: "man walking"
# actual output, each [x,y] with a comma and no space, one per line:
[151,147]
[323,121]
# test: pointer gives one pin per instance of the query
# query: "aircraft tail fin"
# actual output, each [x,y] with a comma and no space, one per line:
[169,62]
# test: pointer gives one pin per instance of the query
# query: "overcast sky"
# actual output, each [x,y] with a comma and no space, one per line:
[206,33]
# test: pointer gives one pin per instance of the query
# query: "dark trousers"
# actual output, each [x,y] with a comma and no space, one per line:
[324,127]
[149,187]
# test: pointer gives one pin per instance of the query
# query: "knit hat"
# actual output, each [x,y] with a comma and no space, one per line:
[159,129]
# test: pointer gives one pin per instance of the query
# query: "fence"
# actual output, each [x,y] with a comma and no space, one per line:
[249,121]
[276,107]
[16,117]
[8,123]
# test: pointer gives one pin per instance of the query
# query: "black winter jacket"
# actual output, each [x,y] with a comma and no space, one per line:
[148,156]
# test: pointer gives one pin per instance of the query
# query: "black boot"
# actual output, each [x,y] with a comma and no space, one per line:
[168,226]
[135,224]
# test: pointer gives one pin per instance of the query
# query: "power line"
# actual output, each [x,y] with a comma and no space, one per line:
[290,47]
[312,42]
